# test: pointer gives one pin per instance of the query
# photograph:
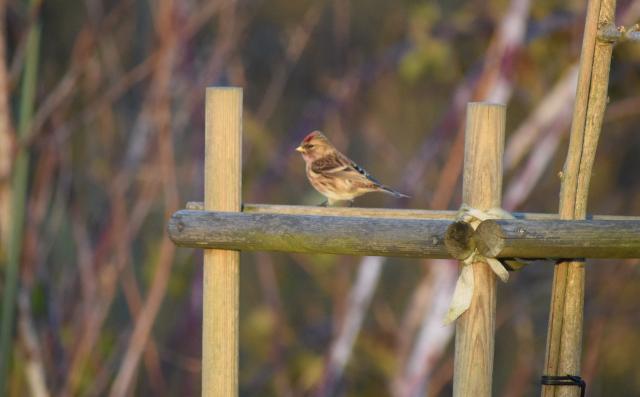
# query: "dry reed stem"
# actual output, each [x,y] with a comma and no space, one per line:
[564,338]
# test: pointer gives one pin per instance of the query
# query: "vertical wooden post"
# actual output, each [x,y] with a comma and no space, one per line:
[222,192]
[481,189]
[564,337]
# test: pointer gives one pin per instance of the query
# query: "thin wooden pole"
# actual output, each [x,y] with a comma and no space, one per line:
[564,337]
[481,189]
[222,192]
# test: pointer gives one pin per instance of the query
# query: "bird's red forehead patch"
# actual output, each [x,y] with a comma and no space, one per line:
[310,136]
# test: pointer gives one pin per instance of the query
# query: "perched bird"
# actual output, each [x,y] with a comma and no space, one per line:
[334,175]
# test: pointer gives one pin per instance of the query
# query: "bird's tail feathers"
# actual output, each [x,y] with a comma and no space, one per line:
[392,192]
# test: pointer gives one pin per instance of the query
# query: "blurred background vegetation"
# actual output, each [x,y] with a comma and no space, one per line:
[101,139]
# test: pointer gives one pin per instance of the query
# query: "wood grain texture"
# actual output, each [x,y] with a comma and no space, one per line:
[408,237]
[482,189]
[395,213]
[363,212]
[459,240]
[418,238]
[558,239]
[222,174]
[564,337]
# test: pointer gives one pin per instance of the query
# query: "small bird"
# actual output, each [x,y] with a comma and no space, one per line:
[334,175]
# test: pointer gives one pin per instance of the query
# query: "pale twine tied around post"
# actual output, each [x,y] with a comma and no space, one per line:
[463,292]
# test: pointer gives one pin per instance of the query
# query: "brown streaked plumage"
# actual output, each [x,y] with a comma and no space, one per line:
[333,174]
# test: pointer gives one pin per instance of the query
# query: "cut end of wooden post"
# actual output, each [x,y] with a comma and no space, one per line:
[459,240]
[174,227]
[489,239]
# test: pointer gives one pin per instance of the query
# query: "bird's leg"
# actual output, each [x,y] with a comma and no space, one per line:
[350,203]
[324,203]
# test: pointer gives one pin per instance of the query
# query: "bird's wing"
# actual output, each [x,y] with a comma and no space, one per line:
[338,165]
[329,164]
[364,173]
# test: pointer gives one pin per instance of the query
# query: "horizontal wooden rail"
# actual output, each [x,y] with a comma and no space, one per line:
[405,233]
[559,239]
[396,213]
[418,238]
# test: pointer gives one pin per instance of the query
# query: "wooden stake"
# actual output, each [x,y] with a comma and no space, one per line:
[564,337]
[481,189]
[222,192]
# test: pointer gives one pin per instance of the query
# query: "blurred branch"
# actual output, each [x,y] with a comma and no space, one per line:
[297,43]
[111,272]
[497,86]
[22,46]
[418,304]
[155,116]
[525,181]
[441,377]
[622,109]
[357,306]
[101,160]
[6,138]
[125,222]
[151,354]
[433,337]
[551,108]
[524,368]
[93,316]
[231,24]
[281,329]
[503,52]
[84,254]
[145,321]
[95,311]
[34,368]
[160,109]
[552,118]
[495,83]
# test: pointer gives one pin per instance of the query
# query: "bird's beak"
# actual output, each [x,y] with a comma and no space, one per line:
[300,149]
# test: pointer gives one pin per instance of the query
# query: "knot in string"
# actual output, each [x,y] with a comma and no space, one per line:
[463,292]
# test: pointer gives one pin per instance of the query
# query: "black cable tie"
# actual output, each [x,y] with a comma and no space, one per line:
[567,380]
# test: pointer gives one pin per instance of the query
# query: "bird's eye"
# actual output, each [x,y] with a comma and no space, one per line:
[309,146]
